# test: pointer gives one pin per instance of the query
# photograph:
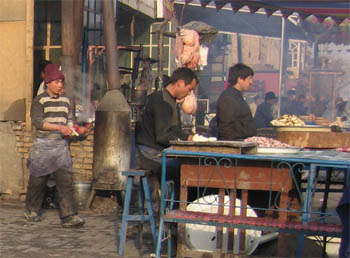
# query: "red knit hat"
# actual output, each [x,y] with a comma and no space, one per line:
[52,73]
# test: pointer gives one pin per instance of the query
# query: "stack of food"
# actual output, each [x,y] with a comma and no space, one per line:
[322,121]
[338,122]
[288,120]
[267,142]
[310,117]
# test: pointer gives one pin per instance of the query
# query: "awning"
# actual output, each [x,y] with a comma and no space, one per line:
[321,9]
[240,22]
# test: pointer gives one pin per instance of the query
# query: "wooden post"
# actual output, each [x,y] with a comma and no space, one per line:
[78,9]
[67,46]
[78,18]
[29,60]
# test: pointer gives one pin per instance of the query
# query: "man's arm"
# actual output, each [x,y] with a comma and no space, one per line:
[64,129]
[37,116]
[164,129]
[227,111]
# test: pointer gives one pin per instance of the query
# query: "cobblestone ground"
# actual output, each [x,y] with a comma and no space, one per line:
[99,237]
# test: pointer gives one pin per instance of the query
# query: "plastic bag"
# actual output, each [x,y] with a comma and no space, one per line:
[189,105]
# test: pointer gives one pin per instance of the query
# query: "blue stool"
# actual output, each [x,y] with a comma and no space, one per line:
[143,192]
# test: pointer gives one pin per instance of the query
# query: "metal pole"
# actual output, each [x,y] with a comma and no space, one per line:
[160,54]
[281,67]
[316,64]
[84,64]
[110,34]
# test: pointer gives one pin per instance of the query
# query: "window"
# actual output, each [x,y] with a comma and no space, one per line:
[296,55]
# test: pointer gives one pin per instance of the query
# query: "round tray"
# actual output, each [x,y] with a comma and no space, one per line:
[308,128]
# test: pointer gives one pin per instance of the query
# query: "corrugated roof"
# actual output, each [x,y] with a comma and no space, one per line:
[240,22]
[336,9]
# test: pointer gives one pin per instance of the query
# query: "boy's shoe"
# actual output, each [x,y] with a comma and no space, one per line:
[32,216]
[72,221]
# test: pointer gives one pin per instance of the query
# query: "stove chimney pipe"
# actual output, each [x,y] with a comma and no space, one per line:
[112,138]
[110,36]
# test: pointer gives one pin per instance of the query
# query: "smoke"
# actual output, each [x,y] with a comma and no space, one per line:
[80,93]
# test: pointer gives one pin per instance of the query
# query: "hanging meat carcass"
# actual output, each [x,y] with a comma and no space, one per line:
[187,48]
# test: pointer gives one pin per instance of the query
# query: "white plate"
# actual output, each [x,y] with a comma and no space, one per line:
[203,237]
[272,150]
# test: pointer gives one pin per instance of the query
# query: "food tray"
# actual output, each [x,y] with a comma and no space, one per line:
[308,128]
[273,150]
[214,143]
[229,147]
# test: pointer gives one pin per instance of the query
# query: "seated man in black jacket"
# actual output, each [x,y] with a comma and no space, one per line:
[161,122]
[263,115]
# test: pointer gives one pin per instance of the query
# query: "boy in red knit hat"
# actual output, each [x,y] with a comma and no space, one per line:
[50,154]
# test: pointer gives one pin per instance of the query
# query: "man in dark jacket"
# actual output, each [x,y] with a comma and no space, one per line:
[289,107]
[160,119]
[301,108]
[160,123]
[234,118]
[263,115]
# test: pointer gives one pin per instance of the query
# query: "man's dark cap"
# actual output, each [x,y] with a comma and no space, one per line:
[270,95]
[291,92]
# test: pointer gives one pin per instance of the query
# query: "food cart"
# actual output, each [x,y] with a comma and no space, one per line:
[313,137]
[313,133]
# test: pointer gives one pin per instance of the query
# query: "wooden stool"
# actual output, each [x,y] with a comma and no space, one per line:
[143,192]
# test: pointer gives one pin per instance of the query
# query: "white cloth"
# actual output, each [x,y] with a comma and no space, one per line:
[203,53]
[41,88]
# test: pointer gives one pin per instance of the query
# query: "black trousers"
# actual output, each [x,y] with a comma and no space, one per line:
[64,185]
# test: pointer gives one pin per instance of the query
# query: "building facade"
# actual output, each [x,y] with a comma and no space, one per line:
[33,33]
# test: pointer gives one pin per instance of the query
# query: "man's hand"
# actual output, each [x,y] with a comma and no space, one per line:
[85,129]
[180,100]
[65,130]
[189,138]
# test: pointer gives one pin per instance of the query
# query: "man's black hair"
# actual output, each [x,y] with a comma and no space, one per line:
[183,73]
[291,92]
[301,97]
[43,64]
[166,80]
[256,97]
[239,71]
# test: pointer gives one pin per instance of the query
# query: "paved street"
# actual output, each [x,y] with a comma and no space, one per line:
[98,238]
[47,238]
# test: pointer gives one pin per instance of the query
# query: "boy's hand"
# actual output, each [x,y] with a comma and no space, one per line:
[85,129]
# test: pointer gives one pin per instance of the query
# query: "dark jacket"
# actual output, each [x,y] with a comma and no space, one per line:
[160,121]
[263,115]
[289,107]
[234,117]
[301,110]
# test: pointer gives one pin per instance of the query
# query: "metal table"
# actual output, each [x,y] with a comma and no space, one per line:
[310,161]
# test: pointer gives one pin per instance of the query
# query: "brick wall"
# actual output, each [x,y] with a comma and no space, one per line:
[82,152]
[82,156]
